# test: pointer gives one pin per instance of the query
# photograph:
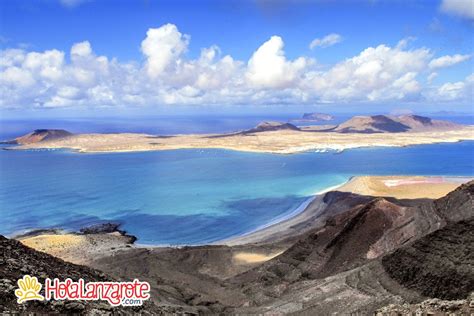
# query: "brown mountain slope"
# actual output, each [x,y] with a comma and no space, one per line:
[40,135]
[422,123]
[393,124]
[371,124]
[352,239]
[272,126]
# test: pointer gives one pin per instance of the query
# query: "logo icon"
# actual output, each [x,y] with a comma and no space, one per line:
[28,290]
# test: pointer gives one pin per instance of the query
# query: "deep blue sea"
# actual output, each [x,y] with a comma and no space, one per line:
[192,196]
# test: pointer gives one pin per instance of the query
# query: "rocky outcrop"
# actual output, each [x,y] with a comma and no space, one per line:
[41,135]
[439,265]
[433,306]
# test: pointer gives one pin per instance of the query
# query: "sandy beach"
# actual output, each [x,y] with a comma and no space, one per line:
[280,142]
[403,187]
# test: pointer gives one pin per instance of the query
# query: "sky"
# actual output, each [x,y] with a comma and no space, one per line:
[80,57]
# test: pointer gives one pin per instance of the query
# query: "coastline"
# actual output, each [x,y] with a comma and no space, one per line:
[303,207]
[275,142]
[307,215]
[95,243]
[312,208]
[287,217]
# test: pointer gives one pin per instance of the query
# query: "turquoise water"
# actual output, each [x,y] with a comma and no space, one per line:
[191,196]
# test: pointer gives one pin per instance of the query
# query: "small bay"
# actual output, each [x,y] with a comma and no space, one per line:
[192,196]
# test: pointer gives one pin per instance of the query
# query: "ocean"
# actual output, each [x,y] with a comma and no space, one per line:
[167,124]
[191,197]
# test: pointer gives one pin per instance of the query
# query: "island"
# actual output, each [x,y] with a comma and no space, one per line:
[315,117]
[268,137]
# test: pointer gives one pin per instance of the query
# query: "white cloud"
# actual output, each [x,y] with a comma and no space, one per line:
[446,61]
[326,41]
[81,49]
[17,77]
[47,65]
[377,74]
[462,8]
[456,91]
[268,66]
[163,48]
[431,77]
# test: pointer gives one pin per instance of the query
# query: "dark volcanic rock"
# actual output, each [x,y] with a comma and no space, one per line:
[16,260]
[105,228]
[439,265]
[457,205]
[101,228]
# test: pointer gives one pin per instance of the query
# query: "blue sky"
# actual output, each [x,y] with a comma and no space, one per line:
[407,37]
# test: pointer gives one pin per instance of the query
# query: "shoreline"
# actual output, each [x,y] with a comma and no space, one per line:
[291,151]
[278,229]
[273,142]
[31,233]
[300,209]
[265,232]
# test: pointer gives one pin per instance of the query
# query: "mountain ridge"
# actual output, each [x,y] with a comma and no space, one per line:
[393,124]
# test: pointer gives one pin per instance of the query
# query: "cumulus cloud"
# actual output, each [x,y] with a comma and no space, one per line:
[447,61]
[163,48]
[268,66]
[377,73]
[462,8]
[80,77]
[326,41]
[81,49]
[456,91]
